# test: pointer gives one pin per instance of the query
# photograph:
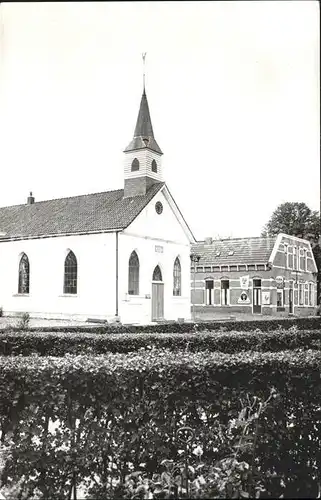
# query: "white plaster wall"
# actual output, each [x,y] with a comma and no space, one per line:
[96,292]
[149,231]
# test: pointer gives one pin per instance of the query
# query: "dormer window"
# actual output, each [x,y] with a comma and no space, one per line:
[154,166]
[135,165]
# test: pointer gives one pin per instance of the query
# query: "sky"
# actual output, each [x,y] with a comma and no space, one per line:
[233,91]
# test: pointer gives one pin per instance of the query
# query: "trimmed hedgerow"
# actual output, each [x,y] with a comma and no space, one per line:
[116,410]
[59,344]
[308,323]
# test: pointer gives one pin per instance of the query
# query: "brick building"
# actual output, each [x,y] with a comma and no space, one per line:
[273,275]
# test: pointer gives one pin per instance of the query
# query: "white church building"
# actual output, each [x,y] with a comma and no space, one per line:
[123,253]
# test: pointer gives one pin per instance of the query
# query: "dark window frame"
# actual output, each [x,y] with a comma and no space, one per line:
[177,278]
[157,274]
[135,165]
[154,166]
[24,275]
[133,274]
[70,274]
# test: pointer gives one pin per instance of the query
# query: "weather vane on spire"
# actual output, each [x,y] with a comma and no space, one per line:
[143,56]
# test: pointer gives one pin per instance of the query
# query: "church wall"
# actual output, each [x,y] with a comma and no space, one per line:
[158,239]
[96,292]
[152,252]
[163,226]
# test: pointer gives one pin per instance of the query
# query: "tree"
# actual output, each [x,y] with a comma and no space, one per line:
[297,219]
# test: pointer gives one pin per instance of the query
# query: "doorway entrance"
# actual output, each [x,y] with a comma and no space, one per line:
[257,308]
[157,295]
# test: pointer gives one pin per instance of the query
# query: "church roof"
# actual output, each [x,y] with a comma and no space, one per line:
[144,135]
[235,251]
[96,212]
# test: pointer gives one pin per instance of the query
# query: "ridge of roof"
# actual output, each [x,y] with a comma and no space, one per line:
[63,198]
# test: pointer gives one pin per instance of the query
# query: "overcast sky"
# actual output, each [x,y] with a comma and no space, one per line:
[233,91]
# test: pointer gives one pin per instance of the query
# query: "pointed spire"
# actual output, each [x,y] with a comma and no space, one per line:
[144,126]
[144,135]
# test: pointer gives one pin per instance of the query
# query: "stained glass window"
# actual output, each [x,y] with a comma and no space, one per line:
[177,277]
[24,274]
[70,275]
[133,274]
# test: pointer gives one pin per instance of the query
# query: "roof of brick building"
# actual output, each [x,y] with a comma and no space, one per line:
[99,212]
[234,251]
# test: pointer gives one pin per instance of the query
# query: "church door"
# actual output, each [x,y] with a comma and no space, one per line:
[157,295]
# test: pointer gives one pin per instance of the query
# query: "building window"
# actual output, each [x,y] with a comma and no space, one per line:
[301,290]
[157,274]
[286,251]
[224,268]
[251,267]
[301,260]
[209,292]
[295,259]
[216,269]
[133,274]
[233,268]
[290,258]
[154,166]
[305,259]
[177,277]
[70,274]
[225,285]
[279,298]
[311,301]
[135,165]
[24,274]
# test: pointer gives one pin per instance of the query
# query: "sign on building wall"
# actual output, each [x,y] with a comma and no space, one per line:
[244,281]
[266,298]
[243,298]
[279,282]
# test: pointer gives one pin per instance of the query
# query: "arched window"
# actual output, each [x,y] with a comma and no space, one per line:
[177,277]
[157,274]
[135,165]
[154,166]
[24,274]
[70,275]
[133,274]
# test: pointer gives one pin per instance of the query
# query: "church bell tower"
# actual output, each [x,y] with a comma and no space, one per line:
[142,167]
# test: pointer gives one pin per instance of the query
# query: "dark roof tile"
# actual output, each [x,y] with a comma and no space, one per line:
[86,213]
[245,251]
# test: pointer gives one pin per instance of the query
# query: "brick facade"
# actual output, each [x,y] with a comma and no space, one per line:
[279,286]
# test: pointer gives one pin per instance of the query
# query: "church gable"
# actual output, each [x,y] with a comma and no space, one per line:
[161,219]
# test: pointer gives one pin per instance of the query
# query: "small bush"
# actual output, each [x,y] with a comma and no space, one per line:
[1,312]
[23,323]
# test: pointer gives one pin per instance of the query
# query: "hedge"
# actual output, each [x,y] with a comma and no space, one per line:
[59,344]
[120,409]
[302,323]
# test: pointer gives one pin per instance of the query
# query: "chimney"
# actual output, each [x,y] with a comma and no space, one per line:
[30,199]
[208,241]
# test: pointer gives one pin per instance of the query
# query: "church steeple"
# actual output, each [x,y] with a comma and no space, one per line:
[144,134]
[142,166]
